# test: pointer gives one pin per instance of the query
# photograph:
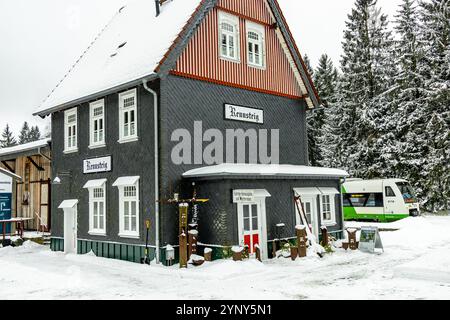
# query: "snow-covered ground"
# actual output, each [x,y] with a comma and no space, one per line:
[415,265]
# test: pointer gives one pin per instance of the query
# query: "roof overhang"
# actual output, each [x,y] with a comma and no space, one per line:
[24,150]
[260,171]
[96,95]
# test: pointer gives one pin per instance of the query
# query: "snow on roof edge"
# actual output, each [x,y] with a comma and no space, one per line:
[264,171]
[134,61]
[25,147]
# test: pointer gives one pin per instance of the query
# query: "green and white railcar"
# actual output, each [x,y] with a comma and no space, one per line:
[380,200]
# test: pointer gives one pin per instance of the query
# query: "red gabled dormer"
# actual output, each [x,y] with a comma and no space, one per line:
[238,44]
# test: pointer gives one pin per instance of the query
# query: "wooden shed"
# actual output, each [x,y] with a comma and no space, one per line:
[31,161]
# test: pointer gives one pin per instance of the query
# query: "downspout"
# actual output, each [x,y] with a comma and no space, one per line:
[44,155]
[156,166]
[341,183]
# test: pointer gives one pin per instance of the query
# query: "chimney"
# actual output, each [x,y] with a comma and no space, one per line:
[157,7]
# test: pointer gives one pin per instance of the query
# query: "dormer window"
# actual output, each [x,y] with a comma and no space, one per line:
[255,45]
[229,36]
[128,116]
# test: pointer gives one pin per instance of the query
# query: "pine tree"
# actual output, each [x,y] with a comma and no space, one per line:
[325,119]
[312,126]
[409,150]
[8,139]
[366,91]
[24,135]
[435,114]
[35,134]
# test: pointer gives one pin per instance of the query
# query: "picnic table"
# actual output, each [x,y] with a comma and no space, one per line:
[19,225]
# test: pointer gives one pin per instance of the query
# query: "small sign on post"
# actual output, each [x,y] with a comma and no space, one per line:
[302,238]
[370,240]
[183,212]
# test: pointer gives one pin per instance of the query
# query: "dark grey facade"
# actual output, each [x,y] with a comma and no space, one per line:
[128,159]
[182,102]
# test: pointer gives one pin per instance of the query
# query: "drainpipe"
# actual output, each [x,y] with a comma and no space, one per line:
[342,181]
[43,155]
[156,164]
[157,7]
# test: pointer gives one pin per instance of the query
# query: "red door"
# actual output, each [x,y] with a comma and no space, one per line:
[251,226]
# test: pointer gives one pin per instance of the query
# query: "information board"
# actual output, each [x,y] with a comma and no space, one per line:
[370,240]
[6,199]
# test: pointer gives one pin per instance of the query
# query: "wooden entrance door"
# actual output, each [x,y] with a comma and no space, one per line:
[251,225]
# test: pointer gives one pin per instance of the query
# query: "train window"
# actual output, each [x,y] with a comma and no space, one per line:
[390,192]
[371,200]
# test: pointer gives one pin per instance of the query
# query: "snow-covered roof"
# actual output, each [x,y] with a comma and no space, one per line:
[25,147]
[129,48]
[270,170]
[10,174]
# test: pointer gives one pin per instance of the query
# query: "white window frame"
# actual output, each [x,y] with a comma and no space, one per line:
[96,118]
[122,111]
[252,27]
[92,200]
[122,199]
[233,21]
[332,221]
[70,141]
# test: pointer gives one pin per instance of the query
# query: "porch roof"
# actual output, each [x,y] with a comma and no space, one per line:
[10,174]
[264,171]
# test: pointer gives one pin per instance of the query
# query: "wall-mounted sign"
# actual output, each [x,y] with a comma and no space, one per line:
[6,199]
[245,114]
[370,239]
[97,165]
[242,196]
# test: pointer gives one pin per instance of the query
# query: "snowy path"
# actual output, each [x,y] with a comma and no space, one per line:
[415,265]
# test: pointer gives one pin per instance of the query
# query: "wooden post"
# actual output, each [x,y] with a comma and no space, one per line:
[258,253]
[183,211]
[237,253]
[208,254]
[325,238]
[352,243]
[294,253]
[301,242]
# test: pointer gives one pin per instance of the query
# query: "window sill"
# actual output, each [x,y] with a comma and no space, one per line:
[95,233]
[329,223]
[127,140]
[255,66]
[230,60]
[129,236]
[71,151]
[97,146]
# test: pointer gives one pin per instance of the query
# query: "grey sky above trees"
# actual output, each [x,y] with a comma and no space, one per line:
[50,35]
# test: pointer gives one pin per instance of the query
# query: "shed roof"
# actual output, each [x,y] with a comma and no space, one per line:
[267,171]
[27,149]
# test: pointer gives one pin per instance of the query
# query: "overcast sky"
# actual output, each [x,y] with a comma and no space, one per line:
[41,39]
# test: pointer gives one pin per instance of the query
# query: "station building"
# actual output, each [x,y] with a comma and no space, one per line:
[184,97]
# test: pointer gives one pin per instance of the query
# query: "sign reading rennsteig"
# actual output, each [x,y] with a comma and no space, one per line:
[245,114]
[97,165]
